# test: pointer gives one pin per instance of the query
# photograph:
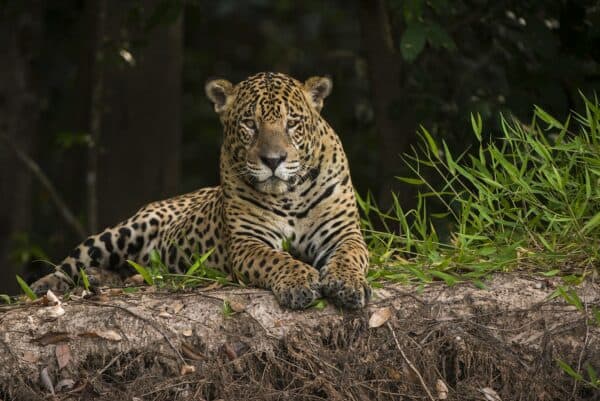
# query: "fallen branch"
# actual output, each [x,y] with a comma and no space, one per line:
[410,364]
[177,346]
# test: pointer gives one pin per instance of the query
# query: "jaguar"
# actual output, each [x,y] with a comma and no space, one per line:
[284,217]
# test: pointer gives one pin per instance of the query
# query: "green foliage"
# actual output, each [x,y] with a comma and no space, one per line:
[67,140]
[413,41]
[6,298]
[26,289]
[319,304]
[286,245]
[422,27]
[146,273]
[84,279]
[418,33]
[569,295]
[226,309]
[589,378]
[198,274]
[528,200]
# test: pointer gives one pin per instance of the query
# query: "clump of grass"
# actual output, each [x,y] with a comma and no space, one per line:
[529,199]
[197,275]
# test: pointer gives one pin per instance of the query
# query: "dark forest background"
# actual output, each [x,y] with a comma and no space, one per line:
[102,106]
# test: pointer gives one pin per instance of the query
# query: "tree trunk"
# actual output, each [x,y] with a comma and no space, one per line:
[395,121]
[503,340]
[139,147]
[20,34]
[96,111]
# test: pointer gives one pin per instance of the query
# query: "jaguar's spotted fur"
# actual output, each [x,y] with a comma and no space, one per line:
[284,178]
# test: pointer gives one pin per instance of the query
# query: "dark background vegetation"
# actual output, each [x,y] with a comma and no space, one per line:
[107,96]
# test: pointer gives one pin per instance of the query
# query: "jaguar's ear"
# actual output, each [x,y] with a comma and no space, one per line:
[318,88]
[219,92]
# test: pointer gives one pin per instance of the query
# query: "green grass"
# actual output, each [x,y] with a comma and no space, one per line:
[26,289]
[528,200]
[197,275]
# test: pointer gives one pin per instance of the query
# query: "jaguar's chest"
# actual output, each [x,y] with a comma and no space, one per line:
[303,230]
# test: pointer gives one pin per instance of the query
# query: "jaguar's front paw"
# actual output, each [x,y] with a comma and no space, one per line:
[347,290]
[298,288]
[52,281]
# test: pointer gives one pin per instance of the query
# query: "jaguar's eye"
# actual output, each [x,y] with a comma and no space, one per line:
[292,123]
[249,124]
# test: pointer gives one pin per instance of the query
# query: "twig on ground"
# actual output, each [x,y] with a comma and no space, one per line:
[108,365]
[173,385]
[410,364]
[583,347]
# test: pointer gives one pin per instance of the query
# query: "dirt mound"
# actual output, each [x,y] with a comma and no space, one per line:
[501,343]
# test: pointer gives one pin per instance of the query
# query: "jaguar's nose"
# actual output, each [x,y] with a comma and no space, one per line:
[273,162]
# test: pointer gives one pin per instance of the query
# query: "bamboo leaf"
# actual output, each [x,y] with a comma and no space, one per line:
[569,370]
[477,125]
[26,289]
[145,273]
[592,223]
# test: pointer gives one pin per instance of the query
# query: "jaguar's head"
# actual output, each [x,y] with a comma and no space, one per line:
[272,127]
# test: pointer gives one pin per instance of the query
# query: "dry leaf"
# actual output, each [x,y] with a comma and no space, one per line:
[106,334]
[136,279]
[237,306]
[65,384]
[190,352]
[109,335]
[63,355]
[115,291]
[165,315]
[30,357]
[46,380]
[52,299]
[379,317]
[101,298]
[212,286]
[187,369]
[230,351]
[187,332]
[52,338]
[52,312]
[409,375]
[442,389]
[176,307]
[490,394]
[394,374]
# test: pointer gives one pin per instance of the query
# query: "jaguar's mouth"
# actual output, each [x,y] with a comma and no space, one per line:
[272,185]
[272,178]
